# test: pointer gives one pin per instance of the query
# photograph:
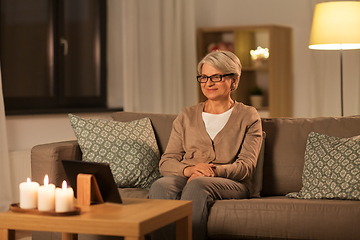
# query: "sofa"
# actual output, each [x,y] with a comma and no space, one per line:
[273,215]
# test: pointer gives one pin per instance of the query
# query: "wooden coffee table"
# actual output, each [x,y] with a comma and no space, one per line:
[133,219]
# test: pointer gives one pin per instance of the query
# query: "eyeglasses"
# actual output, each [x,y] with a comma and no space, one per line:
[213,78]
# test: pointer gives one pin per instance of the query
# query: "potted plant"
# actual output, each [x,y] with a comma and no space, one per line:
[256,96]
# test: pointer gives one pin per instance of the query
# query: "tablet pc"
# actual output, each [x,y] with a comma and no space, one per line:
[102,173]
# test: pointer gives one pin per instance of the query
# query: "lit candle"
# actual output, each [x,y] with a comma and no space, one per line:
[64,198]
[46,196]
[28,194]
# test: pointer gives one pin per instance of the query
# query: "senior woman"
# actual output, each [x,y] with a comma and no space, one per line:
[213,147]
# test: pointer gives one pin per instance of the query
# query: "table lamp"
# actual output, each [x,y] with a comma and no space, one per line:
[336,26]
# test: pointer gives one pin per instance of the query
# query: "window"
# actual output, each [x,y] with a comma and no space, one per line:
[53,55]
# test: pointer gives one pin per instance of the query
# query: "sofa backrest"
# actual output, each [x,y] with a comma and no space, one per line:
[284,145]
[285,148]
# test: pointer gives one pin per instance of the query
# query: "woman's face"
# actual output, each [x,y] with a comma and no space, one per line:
[215,90]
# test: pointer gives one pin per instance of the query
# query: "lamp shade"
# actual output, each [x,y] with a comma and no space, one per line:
[336,25]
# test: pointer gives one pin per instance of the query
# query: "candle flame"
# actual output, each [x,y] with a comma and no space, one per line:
[46,180]
[64,185]
[28,181]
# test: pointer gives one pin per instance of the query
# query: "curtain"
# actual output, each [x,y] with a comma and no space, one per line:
[158,55]
[5,189]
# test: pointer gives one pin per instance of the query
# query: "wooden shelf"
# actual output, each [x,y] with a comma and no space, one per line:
[263,109]
[254,69]
[275,78]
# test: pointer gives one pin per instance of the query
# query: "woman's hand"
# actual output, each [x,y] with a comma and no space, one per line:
[199,170]
[195,175]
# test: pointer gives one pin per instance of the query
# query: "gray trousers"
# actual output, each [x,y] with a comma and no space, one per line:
[202,191]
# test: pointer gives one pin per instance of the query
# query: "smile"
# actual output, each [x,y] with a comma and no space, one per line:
[211,89]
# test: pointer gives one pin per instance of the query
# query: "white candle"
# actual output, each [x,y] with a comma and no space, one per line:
[46,196]
[64,198]
[28,194]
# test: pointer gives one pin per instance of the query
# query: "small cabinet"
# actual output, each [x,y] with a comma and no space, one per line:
[273,76]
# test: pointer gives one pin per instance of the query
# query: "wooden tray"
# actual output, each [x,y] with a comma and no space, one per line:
[15,207]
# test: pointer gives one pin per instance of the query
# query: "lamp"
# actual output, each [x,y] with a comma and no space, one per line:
[336,26]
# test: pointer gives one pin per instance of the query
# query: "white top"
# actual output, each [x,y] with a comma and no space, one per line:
[215,122]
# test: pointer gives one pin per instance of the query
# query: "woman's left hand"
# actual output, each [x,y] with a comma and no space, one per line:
[202,170]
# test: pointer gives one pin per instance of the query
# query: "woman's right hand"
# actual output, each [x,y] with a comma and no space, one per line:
[200,169]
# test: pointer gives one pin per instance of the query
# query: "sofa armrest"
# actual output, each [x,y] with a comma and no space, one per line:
[46,159]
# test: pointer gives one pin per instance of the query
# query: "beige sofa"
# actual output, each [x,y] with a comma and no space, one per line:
[272,216]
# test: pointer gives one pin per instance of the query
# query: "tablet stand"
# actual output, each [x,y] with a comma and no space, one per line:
[87,190]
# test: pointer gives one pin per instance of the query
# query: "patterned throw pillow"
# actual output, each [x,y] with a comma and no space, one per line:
[129,148]
[332,168]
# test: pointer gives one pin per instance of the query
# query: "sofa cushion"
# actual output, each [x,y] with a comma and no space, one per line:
[332,168]
[284,218]
[285,148]
[133,193]
[162,124]
[130,149]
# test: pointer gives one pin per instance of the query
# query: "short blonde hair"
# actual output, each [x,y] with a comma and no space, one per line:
[224,61]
